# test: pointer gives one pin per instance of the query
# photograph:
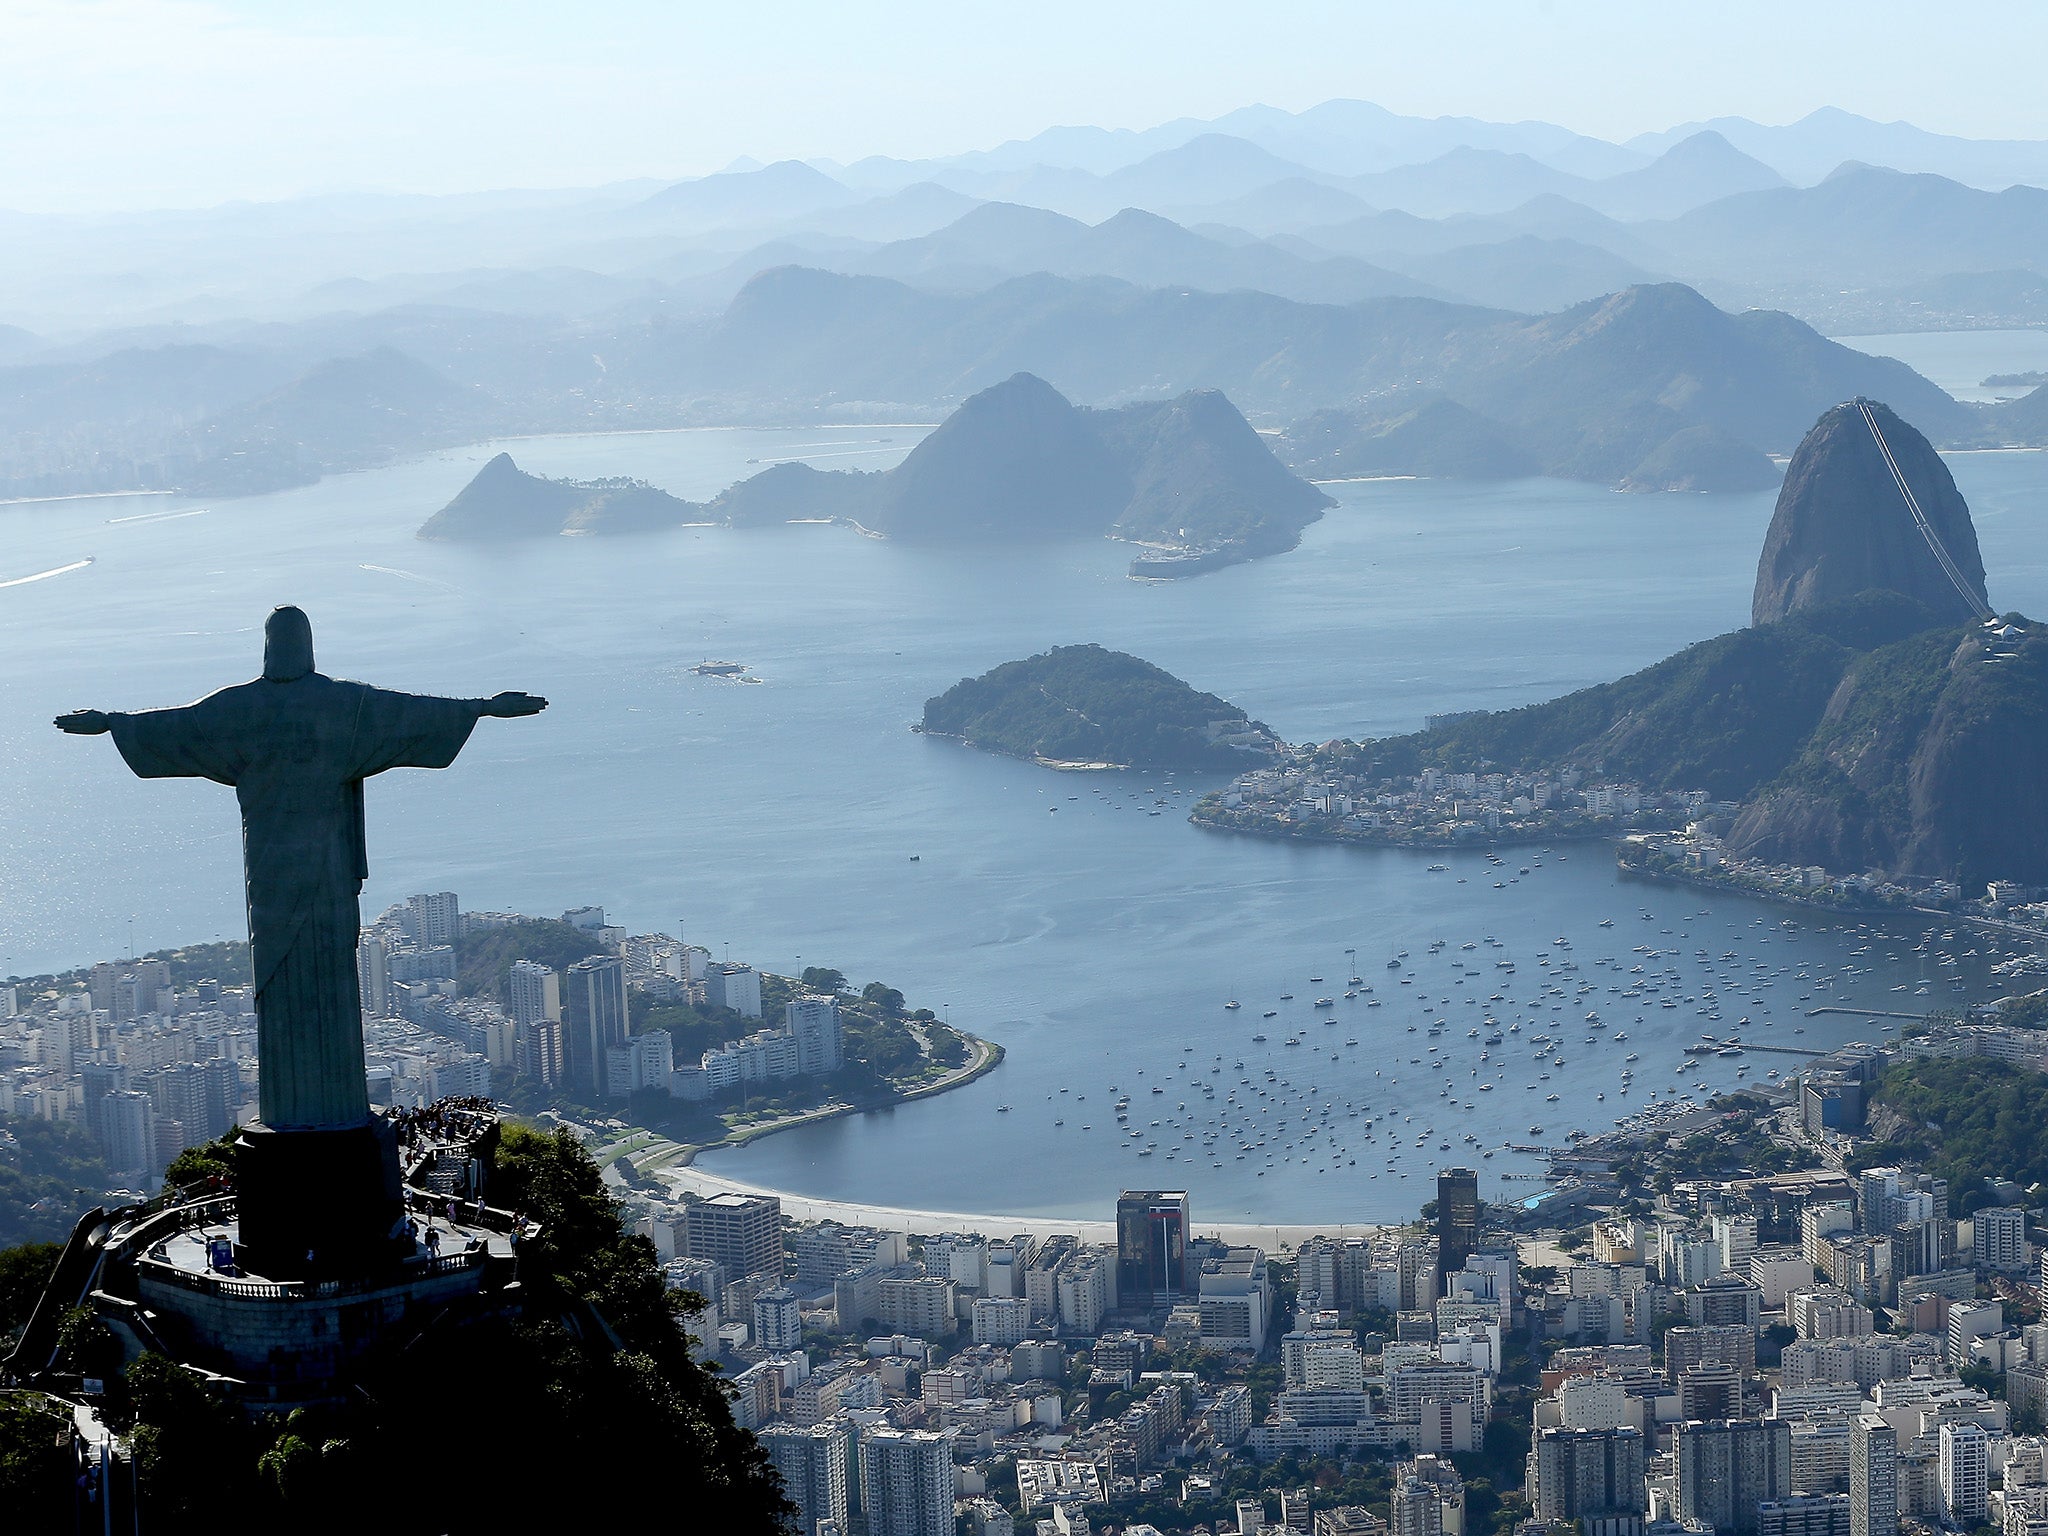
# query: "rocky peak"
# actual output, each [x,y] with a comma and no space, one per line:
[1842,527]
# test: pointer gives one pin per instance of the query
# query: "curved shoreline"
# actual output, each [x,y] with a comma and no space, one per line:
[987,1056]
[674,1164]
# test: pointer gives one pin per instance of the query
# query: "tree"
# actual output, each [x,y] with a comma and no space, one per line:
[818,978]
[886,998]
[35,1463]
[24,1271]
[197,1165]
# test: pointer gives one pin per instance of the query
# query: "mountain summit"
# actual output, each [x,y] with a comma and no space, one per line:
[1843,526]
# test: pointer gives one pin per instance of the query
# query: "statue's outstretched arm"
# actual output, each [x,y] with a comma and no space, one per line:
[85,722]
[509,706]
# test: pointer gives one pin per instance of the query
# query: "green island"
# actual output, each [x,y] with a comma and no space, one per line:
[1084,706]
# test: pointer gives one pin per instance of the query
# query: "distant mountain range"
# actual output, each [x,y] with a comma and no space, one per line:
[1284,258]
[1650,387]
[1016,462]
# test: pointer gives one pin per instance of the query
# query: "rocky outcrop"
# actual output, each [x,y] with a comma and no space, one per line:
[1920,766]
[1842,526]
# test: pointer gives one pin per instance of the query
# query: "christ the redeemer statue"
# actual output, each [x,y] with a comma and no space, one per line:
[296,746]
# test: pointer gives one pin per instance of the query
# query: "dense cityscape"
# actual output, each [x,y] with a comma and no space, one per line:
[1845,1348]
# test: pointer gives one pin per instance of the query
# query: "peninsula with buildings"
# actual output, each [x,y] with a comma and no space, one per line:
[1870,724]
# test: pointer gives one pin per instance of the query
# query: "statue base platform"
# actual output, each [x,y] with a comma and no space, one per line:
[284,1341]
[319,1204]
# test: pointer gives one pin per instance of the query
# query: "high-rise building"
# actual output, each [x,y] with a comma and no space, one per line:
[1727,1467]
[1586,1474]
[433,919]
[734,986]
[1965,1473]
[815,1023]
[1418,1502]
[373,977]
[541,1053]
[1999,1237]
[594,1019]
[906,1481]
[1736,1236]
[740,1233]
[645,1061]
[97,1080]
[812,1462]
[778,1320]
[1152,1247]
[1873,1477]
[534,992]
[130,1139]
[1457,1219]
[1825,1514]
[200,1095]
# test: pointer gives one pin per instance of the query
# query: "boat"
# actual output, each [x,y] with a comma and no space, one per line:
[1325,1002]
[1233,1003]
[1258,1039]
[719,668]
[1002,1109]
[1270,1013]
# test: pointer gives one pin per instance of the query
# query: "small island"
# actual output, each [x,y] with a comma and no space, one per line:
[1082,706]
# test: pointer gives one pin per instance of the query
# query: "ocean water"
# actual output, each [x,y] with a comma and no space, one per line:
[1960,361]
[1051,912]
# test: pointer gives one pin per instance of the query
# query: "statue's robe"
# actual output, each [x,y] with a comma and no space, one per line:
[296,754]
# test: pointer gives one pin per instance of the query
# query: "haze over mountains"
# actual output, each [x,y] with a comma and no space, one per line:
[1340,260]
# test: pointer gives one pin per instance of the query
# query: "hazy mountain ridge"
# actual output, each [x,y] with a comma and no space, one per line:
[632,304]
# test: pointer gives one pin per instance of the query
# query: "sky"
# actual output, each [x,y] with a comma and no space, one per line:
[179,103]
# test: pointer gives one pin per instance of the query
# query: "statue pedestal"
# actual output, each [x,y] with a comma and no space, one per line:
[333,1195]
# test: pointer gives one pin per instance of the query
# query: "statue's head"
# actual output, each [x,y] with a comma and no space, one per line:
[287,644]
